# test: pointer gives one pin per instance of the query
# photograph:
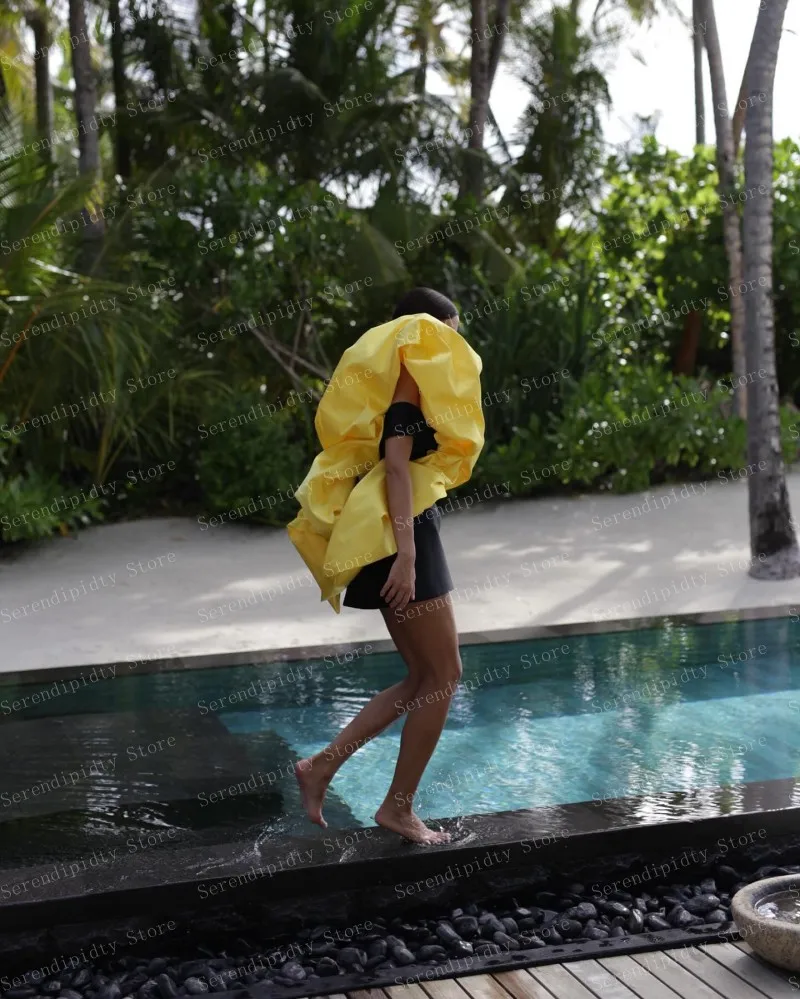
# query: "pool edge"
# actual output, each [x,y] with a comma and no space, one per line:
[291,654]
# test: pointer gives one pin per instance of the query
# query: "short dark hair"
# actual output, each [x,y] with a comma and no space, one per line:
[425,300]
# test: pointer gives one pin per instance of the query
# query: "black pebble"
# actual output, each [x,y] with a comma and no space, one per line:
[351,956]
[466,926]
[595,933]
[490,925]
[81,979]
[147,991]
[446,933]
[195,987]
[679,918]
[570,929]
[377,948]
[326,967]
[431,952]
[403,956]
[701,905]
[635,922]
[505,941]
[293,972]
[655,921]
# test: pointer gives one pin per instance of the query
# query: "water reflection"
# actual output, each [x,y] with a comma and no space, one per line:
[678,720]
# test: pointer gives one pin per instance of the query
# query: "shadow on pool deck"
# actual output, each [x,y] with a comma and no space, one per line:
[515,563]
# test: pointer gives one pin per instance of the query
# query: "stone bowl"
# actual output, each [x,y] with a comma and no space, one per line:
[776,940]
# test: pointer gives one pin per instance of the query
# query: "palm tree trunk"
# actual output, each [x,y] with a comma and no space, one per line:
[121,143]
[479,100]
[500,29]
[772,539]
[726,160]
[87,125]
[37,20]
[699,97]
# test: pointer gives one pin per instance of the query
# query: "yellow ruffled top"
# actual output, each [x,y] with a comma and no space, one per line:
[343,525]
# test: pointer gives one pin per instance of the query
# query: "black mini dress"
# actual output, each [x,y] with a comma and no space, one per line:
[432,576]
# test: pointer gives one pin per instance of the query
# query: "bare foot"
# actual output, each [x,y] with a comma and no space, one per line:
[409,826]
[313,785]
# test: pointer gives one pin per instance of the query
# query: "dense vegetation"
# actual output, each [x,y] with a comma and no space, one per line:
[266,192]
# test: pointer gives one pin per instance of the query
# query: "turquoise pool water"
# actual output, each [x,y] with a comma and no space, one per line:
[582,718]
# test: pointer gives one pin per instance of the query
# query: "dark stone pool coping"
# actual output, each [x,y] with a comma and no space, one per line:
[300,653]
[164,880]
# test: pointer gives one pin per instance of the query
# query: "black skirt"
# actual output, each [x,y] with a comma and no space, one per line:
[432,576]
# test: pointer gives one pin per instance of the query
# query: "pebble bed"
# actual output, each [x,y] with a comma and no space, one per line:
[569,914]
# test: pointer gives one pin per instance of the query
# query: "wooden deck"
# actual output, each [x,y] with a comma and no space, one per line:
[708,971]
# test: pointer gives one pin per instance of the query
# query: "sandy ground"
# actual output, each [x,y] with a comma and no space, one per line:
[162,588]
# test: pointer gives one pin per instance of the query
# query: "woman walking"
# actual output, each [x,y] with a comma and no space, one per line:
[410,586]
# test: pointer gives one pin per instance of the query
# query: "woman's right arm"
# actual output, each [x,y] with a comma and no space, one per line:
[398,589]
[399,586]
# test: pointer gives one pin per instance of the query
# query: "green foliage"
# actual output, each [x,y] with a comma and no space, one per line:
[33,504]
[243,253]
[249,468]
[647,426]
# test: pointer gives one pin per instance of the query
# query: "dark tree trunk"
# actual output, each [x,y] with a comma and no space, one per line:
[686,355]
[88,126]
[698,43]
[37,19]
[122,147]
[479,100]
[726,159]
[773,544]
[500,30]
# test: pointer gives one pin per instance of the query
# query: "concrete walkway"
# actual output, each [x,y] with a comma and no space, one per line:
[166,587]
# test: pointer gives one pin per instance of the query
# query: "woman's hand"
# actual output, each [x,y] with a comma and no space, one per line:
[398,589]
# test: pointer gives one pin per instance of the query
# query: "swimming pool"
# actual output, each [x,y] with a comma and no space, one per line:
[115,760]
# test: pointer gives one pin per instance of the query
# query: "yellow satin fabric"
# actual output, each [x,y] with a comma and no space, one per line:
[342,526]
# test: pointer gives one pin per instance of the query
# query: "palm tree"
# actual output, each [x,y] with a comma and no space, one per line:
[726,168]
[38,19]
[479,99]
[698,43]
[771,530]
[122,143]
[86,122]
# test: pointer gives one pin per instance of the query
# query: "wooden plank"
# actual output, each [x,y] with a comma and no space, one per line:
[366,994]
[482,987]
[637,978]
[450,988]
[599,982]
[411,991]
[772,982]
[521,985]
[675,977]
[714,974]
[560,982]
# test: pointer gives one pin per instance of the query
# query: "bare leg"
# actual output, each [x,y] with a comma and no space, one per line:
[432,632]
[315,773]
